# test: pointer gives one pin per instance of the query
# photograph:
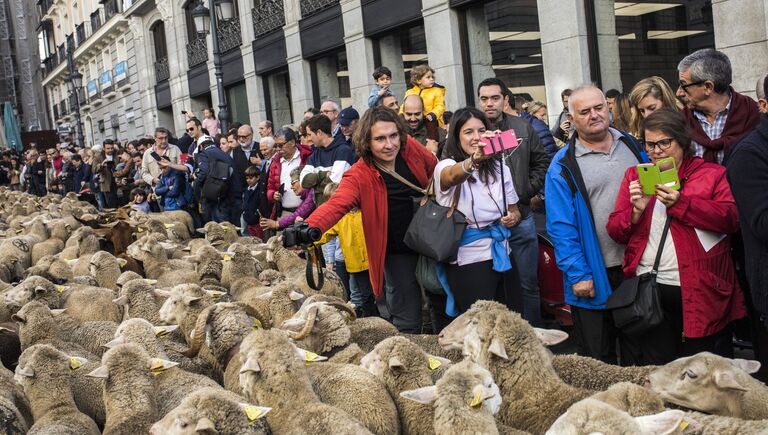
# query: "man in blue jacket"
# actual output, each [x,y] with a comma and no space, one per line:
[331,157]
[581,187]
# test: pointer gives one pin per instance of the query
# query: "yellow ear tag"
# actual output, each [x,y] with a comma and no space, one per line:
[252,412]
[434,363]
[60,288]
[160,331]
[140,230]
[156,367]
[257,324]
[168,226]
[74,364]
[227,258]
[225,228]
[476,401]
[683,425]
[310,356]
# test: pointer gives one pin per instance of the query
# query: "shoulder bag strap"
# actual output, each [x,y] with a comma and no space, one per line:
[401,179]
[661,246]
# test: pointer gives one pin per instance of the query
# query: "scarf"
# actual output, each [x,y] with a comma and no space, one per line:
[743,117]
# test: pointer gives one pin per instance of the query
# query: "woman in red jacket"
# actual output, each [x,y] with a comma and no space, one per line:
[387,208]
[699,291]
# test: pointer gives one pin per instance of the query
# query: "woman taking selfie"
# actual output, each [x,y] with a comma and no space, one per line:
[483,268]
[697,283]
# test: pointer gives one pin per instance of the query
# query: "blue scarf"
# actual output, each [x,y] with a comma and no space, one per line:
[501,263]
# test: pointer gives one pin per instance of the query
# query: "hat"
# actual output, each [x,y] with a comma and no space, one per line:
[348,115]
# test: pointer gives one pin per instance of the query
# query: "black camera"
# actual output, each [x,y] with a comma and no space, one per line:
[300,234]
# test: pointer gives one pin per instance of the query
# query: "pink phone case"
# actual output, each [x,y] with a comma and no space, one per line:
[504,141]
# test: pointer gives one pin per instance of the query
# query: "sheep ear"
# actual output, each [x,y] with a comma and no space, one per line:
[58,311]
[150,281]
[101,372]
[201,230]
[18,318]
[40,290]
[161,293]
[254,412]
[250,365]
[26,371]
[217,243]
[662,423]
[265,296]
[113,343]
[497,348]
[309,356]
[294,324]
[186,249]
[726,381]
[423,395]
[295,296]
[122,300]
[71,262]
[748,365]
[159,364]
[163,330]
[395,362]
[550,337]
[205,425]
[189,300]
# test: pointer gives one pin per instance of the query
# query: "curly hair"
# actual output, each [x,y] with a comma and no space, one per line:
[362,135]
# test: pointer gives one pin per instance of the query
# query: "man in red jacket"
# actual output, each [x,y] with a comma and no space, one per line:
[290,155]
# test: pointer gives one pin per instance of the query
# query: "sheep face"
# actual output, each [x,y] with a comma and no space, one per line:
[705,382]
[11,268]
[51,268]
[396,356]
[183,421]
[146,249]
[42,363]
[16,297]
[593,416]
[476,380]
[175,308]
[267,354]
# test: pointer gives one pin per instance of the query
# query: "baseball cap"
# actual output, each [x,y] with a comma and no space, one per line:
[348,115]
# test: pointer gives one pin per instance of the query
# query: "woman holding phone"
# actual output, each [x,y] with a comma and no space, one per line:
[698,288]
[487,197]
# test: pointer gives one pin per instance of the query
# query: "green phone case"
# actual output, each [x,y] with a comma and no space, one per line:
[652,174]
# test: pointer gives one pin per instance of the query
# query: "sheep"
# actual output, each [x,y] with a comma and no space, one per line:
[138,299]
[183,305]
[192,246]
[593,416]
[239,264]
[37,323]
[533,395]
[84,303]
[154,259]
[226,325]
[15,412]
[272,376]
[129,390]
[21,247]
[158,344]
[591,374]
[126,276]
[11,268]
[213,411]
[294,269]
[403,365]
[49,245]
[45,377]
[465,400]
[706,424]
[710,383]
[105,268]
[220,235]
[53,269]
[121,234]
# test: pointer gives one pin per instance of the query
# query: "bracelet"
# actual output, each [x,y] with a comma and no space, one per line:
[472,166]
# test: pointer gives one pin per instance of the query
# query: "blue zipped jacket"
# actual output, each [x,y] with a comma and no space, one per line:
[571,226]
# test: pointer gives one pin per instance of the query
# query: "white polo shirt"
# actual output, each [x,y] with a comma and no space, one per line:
[290,199]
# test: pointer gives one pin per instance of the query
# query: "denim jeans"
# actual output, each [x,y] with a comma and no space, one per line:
[525,250]
[340,268]
[361,293]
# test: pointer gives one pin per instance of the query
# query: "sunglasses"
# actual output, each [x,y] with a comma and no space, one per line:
[190,130]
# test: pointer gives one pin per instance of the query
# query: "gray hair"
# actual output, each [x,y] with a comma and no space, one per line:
[336,107]
[578,90]
[163,130]
[268,141]
[708,64]
[760,88]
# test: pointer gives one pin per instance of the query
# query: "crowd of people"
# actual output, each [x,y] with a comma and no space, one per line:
[356,179]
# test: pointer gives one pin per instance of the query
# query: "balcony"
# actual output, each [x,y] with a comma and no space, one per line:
[95,21]
[197,51]
[111,8]
[62,53]
[162,72]
[71,42]
[50,63]
[63,108]
[268,15]
[309,7]
[229,34]
[56,111]
[45,6]
[80,34]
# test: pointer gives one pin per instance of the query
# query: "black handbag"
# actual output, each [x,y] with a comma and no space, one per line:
[636,305]
[435,230]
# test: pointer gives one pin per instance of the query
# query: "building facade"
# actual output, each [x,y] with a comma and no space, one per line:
[145,63]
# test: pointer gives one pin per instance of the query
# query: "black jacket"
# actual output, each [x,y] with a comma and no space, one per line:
[241,162]
[528,162]
[251,199]
[747,166]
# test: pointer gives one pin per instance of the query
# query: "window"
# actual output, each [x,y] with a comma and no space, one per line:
[237,100]
[277,95]
[330,78]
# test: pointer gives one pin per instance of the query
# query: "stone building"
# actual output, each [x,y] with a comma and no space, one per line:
[145,63]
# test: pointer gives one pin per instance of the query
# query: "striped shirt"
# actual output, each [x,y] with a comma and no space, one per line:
[714,130]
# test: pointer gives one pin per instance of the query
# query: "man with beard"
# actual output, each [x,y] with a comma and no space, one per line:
[107,184]
[413,113]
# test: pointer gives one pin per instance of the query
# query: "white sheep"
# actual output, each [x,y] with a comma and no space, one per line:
[593,416]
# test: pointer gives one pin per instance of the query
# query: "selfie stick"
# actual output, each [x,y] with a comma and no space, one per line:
[501,169]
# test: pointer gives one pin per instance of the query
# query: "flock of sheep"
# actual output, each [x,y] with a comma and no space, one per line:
[122,324]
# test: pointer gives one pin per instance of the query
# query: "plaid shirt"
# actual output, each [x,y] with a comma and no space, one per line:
[714,130]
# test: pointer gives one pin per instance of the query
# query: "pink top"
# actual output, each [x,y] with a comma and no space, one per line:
[212,125]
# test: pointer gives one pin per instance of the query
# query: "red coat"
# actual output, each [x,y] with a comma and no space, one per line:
[711,294]
[275,168]
[363,187]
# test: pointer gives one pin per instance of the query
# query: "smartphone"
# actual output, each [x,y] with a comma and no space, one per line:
[663,172]
[501,142]
[155,155]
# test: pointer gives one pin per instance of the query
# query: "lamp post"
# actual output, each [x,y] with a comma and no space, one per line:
[74,84]
[205,22]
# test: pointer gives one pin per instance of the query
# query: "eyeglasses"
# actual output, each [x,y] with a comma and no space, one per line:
[190,130]
[243,137]
[685,86]
[663,144]
[328,111]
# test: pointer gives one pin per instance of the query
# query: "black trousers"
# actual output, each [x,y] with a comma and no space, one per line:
[403,293]
[478,281]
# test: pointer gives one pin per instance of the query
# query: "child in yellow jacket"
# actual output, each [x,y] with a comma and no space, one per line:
[432,95]
[349,231]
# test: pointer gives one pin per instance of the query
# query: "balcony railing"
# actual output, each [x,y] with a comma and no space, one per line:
[197,51]
[309,7]
[111,8]
[95,21]
[45,5]
[63,108]
[50,63]
[62,53]
[80,34]
[71,41]
[162,72]
[268,15]
[229,34]
[56,111]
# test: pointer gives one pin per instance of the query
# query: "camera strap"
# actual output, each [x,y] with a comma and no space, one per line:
[310,252]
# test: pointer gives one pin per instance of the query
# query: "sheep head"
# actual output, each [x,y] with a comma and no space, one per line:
[593,416]
[45,365]
[36,288]
[131,360]
[397,356]
[11,267]
[704,382]
[232,320]
[51,268]
[321,325]
[143,333]
[181,301]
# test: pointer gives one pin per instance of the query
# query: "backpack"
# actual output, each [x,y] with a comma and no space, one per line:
[216,183]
